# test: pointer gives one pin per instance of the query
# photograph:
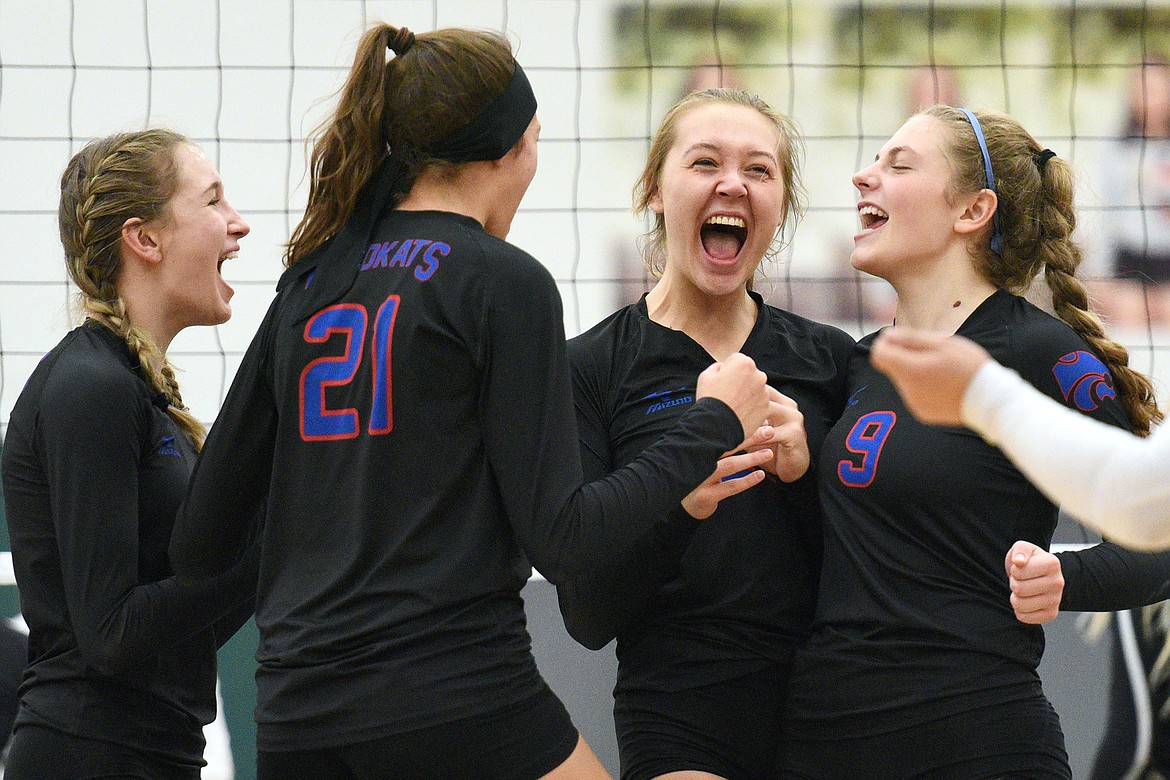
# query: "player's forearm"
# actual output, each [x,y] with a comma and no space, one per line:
[601,604]
[1108,578]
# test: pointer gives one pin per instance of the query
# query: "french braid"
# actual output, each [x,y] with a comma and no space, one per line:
[1038,217]
[110,180]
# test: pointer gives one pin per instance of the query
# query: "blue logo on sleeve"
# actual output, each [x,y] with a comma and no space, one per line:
[853,399]
[664,398]
[1084,380]
[166,446]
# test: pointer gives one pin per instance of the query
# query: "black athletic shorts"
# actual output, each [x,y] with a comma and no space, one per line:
[42,753]
[730,728]
[1019,740]
[521,742]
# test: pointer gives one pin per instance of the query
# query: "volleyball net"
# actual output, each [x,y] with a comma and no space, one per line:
[248,79]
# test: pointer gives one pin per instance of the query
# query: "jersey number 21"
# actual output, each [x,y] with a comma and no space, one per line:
[318,422]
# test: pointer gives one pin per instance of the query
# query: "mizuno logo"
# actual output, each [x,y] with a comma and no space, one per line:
[664,398]
[853,398]
[166,446]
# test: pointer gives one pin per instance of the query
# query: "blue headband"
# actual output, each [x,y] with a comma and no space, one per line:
[996,229]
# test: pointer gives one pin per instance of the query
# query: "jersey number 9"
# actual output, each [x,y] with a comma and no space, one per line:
[866,438]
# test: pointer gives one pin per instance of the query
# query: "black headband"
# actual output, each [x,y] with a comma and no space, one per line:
[331,269]
[494,130]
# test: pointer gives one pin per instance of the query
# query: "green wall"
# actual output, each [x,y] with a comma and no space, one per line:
[237,681]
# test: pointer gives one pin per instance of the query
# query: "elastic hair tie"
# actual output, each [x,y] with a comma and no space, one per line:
[401,42]
[996,228]
[1041,158]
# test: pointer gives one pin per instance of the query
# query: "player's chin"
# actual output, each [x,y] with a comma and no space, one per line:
[218,315]
[859,259]
[224,299]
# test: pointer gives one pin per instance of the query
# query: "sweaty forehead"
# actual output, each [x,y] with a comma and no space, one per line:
[189,155]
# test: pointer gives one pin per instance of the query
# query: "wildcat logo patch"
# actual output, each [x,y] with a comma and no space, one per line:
[1084,380]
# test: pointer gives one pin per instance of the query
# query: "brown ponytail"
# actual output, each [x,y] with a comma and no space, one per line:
[437,82]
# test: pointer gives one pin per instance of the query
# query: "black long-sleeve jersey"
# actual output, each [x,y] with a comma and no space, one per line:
[1108,577]
[94,470]
[913,616]
[701,602]
[418,448]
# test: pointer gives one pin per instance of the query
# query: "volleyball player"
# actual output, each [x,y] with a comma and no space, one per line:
[1112,479]
[917,666]
[121,655]
[708,616]
[406,408]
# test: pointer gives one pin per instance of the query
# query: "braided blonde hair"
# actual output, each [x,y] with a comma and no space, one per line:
[1038,217]
[109,181]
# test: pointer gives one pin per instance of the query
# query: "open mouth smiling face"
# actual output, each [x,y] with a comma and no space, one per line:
[723,237]
[720,195]
[872,217]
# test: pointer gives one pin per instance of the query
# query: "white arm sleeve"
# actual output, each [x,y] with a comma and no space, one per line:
[1110,480]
